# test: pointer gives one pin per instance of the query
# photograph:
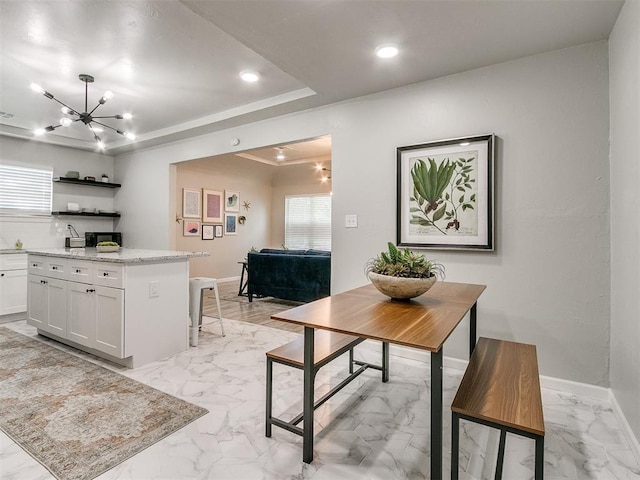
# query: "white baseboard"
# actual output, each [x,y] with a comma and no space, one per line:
[633,441]
[228,279]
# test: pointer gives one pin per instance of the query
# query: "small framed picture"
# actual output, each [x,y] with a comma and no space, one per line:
[191,228]
[208,232]
[231,201]
[211,206]
[218,231]
[191,203]
[230,223]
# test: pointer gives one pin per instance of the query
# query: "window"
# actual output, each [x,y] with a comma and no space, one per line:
[25,190]
[307,222]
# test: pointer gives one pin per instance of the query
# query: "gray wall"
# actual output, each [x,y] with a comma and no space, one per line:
[49,232]
[624,53]
[548,281]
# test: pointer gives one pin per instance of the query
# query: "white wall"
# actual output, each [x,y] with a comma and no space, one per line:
[548,281]
[624,79]
[49,232]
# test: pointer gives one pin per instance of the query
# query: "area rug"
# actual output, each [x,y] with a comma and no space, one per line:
[76,418]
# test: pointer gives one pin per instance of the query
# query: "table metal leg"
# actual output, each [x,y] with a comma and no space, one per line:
[472,328]
[436,415]
[307,401]
[385,362]
[455,445]
[539,472]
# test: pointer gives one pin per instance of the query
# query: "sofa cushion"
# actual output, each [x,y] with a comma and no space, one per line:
[323,253]
[282,252]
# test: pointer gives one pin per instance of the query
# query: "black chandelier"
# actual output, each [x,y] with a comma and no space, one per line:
[85,117]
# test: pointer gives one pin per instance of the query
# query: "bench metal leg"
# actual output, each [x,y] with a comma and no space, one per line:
[500,462]
[455,444]
[539,475]
[436,415]
[307,402]
[269,402]
[351,360]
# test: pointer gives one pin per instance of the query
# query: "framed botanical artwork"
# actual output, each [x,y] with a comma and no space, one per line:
[212,206]
[191,203]
[191,228]
[230,223]
[208,232]
[231,201]
[445,194]
[217,231]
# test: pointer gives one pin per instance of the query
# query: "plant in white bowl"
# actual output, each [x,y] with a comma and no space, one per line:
[403,274]
[105,247]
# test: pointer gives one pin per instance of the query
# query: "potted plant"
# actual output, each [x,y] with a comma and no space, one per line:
[403,274]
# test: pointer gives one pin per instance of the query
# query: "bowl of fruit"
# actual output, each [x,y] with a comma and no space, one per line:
[106,247]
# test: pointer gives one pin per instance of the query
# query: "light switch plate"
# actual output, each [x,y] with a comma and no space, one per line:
[351,221]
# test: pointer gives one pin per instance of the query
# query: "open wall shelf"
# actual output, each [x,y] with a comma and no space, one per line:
[89,183]
[85,214]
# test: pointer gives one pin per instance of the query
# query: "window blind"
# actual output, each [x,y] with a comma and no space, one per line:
[308,222]
[25,190]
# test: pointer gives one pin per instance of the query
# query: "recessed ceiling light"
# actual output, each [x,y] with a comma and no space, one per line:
[249,76]
[280,155]
[387,51]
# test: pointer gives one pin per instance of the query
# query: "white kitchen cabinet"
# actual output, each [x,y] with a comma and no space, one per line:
[95,317]
[13,283]
[81,317]
[110,320]
[47,299]
[131,312]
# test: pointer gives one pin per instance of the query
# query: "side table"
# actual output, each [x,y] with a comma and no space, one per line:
[242,291]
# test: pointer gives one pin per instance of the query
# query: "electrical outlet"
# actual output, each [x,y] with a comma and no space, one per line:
[154,289]
[351,221]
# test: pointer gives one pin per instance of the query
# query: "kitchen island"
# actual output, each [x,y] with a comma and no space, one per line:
[130,306]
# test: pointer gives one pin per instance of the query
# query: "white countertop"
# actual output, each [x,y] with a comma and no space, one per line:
[124,255]
[9,251]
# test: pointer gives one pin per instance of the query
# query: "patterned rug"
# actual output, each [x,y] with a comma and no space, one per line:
[76,418]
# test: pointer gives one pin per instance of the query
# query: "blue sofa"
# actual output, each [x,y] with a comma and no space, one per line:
[298,275]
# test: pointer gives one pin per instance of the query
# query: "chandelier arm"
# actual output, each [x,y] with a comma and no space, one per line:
[95,108]
[72,111]
[109,116]
[107,126]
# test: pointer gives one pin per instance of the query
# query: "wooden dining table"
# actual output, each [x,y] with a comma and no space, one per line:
[424,323]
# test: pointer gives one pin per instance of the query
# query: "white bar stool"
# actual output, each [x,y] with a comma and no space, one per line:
[196,285]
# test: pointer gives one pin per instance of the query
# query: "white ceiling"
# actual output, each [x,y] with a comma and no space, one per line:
[175,64]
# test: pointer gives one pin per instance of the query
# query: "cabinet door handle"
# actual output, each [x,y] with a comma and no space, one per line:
[34,264]
[105,274]
[54,268]
[77,270]
[43,281]
[1,274]
[90,290]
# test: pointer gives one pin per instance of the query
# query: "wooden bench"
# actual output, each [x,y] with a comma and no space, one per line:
[327,347]
[501,389]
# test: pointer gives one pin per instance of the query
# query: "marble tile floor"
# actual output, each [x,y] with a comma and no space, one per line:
[374,430]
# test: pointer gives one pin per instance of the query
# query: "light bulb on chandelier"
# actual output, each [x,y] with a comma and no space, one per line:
[87,116]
